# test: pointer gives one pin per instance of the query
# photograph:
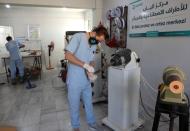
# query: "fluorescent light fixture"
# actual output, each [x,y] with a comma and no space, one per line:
[8,6]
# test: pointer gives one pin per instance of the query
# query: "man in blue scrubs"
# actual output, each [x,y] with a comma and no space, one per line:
[15,59]
[80,53]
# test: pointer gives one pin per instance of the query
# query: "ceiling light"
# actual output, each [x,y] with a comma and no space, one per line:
[8,6]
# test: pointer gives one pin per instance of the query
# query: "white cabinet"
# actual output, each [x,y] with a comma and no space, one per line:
[123,98]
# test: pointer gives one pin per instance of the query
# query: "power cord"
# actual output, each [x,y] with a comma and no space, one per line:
[147,83]
[141,99]
[146,111]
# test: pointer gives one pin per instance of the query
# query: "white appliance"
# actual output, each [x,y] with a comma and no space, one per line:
[123,96]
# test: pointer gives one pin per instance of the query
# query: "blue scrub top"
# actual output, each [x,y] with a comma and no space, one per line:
[13,49]
[80,47]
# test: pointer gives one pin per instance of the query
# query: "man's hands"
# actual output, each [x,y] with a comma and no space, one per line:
[89,68]
[90,72]
[92,77]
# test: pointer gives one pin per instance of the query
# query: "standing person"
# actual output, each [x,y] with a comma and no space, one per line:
[15,59]
[80,53]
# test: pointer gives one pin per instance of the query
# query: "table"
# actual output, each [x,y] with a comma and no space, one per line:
[37,61]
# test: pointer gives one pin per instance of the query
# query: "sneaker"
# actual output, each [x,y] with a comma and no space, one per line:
[95,127]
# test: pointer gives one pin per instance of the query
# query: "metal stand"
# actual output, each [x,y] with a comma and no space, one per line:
[49,58]
[174,110]
[30,85]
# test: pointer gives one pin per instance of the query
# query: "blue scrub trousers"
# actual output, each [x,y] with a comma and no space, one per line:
[75,94]
[16,63]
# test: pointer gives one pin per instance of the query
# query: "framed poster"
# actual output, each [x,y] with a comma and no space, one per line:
[117,18]
[34,32]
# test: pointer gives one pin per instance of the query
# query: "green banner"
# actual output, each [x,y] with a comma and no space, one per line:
[161,34]
[135,2]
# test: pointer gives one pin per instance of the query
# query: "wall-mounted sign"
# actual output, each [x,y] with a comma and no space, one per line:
[155,18]
[33,32]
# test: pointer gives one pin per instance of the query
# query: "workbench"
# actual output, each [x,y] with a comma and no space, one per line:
[25,55]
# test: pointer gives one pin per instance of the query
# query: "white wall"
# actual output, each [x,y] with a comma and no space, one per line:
[96,5]
[156,54]
[97,12]
[53,24]
[88,17]
[53,3]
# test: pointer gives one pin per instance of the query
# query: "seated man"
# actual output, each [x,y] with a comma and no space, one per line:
[15,59]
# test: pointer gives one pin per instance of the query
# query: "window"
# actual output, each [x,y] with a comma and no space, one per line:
[4,32]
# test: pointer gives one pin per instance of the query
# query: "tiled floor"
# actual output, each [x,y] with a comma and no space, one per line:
[45,108]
